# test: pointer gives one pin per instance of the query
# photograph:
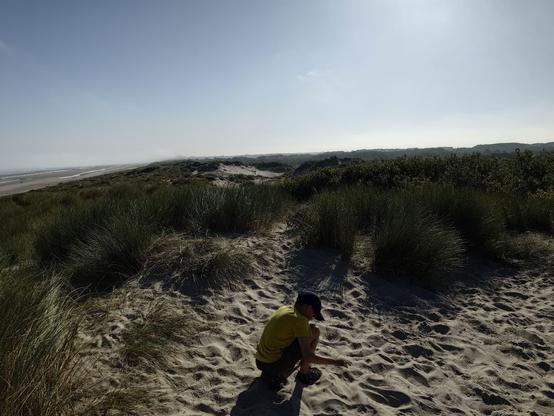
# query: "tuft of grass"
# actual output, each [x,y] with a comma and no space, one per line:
[412,242]
[197,210]
[56,234]
[110,254]
[475,214]
[534,212]
[197,263]
[128,399]
[40,367]
[528,249]
[333,218]
[151,341]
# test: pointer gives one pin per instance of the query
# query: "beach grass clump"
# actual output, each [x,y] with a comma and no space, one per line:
[333,218]
[528,249]
[199,209]
[193,264]
[111,253]
[409,241]
[237,209]
[40,367]
[533,212]
[55,235]
[153,339]
[475,214]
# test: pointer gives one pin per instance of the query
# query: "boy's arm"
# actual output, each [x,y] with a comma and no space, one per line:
[309,356]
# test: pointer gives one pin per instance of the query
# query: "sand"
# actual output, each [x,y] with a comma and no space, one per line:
[485,347]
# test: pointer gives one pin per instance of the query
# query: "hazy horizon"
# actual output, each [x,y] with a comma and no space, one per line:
[86,84]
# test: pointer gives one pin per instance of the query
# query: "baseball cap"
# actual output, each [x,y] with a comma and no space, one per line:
[309,298]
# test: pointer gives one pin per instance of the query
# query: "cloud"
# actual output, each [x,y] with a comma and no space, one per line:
[308,75]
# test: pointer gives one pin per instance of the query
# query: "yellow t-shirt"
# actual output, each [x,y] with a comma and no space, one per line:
[283,327]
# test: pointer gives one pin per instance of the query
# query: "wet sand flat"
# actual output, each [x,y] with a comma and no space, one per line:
[22,182]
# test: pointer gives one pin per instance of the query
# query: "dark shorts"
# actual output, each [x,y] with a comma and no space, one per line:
[284,366]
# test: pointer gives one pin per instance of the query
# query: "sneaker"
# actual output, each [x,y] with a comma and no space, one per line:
[273,382]
[309,378]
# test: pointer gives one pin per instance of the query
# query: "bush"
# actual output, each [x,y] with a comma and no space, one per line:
[40,369]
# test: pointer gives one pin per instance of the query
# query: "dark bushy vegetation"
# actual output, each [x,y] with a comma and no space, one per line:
[524,173]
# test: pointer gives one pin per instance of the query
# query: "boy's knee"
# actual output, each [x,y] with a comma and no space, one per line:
[315,331]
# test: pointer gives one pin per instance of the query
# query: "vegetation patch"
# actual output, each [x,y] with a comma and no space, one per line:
[151,341]
[412,242]
[196,264]
[40,368]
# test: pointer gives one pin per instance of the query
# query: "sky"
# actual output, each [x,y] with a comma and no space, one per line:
[101,82]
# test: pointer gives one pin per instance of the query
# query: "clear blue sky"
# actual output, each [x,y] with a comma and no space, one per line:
[89,82]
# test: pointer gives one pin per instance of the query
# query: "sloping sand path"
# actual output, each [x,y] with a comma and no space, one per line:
[482,349]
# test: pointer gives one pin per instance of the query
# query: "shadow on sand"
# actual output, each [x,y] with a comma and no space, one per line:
[258,399]
[319,270]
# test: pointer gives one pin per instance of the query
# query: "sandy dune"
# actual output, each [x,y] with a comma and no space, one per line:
[484,348]
[227,170]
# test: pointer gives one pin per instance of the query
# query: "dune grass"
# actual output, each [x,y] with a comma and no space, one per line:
[40,368]
[535,212]
[334,218]
[56,234]
[201,209]
[475,214]
[153,340]
[109,254]
[100,242]
[420,232]
[409,241]
[529,249]
[196,264]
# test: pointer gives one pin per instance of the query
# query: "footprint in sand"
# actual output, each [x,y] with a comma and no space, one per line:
[441,329]
[417,351]
[392,398]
